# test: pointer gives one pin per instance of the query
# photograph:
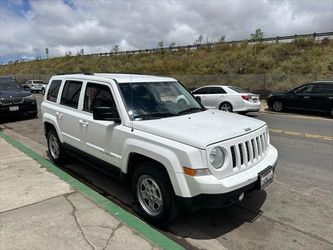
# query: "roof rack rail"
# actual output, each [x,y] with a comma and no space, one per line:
[75,73]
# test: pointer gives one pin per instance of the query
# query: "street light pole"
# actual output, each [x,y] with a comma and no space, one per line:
[47,53]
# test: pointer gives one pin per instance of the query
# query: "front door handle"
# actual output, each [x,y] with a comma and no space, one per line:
[59,115]
[84,123]
[306,97]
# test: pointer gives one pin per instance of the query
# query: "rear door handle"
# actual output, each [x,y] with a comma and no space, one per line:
[306,97]
[84,123]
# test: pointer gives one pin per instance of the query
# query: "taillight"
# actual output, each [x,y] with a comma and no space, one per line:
[245,97]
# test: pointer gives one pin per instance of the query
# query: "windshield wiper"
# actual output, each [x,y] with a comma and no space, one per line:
[189,110]
[154,115]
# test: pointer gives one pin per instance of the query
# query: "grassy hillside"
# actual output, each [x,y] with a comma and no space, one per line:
[260,66]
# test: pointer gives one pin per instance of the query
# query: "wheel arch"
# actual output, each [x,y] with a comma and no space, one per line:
[165,159]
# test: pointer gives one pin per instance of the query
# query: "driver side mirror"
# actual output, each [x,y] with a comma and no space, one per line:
[106,114]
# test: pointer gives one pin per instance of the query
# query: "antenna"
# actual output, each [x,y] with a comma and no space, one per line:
[131,87]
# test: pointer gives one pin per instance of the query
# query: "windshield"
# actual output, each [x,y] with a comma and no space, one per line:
[8,84]
[151,100]
[38,82]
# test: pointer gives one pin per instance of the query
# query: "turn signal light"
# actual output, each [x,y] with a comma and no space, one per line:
[196,172]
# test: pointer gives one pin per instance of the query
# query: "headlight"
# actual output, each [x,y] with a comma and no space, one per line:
[29,97]
[216,157]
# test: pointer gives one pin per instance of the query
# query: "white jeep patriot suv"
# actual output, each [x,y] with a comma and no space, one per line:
[170,153]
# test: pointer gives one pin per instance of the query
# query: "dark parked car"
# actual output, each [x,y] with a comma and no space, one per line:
[15,100]
[315,96]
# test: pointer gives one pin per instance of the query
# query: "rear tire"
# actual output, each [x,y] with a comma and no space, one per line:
[277,106]
[56,151]
[154,194]
[226,106]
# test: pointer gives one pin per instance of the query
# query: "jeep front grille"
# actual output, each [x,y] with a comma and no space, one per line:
[246,153]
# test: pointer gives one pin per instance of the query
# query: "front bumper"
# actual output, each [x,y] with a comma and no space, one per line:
[29,107]
[209,191]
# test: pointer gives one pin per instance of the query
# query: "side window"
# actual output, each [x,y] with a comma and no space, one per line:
[201,91]
[323,88]
[71,93]
[97,95]
[52,94]
[305,89]
[216,90]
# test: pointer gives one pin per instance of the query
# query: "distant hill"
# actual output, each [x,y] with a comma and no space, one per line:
[258,66]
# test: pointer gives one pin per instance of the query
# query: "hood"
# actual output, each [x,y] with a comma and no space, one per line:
[200,129]
[14,93]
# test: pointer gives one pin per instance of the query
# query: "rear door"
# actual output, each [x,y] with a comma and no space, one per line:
[215,96]
[321,97]
[68,115]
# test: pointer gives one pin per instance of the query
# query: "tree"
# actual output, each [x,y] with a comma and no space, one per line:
[258,35]
[173,44]
[115,48]
[160,45]
[199,40]
[222,39]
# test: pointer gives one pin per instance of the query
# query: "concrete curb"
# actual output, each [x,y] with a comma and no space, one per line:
[110,207]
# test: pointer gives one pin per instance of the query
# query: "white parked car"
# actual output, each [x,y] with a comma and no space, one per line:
[34,86]
[227,98]
[172,154]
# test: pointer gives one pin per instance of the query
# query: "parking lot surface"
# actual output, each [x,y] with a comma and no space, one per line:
[294,212]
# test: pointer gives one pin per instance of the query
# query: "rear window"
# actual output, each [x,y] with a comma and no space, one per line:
[71,93]
[52,94]
[238,90]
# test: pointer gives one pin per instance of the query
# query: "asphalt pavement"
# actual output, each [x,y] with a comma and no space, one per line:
[294,212]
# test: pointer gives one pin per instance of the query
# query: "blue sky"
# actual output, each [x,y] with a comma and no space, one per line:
[27,27]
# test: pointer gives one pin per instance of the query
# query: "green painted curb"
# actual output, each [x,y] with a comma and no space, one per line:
[121,214]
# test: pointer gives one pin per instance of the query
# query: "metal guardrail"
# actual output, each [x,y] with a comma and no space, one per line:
[316,36]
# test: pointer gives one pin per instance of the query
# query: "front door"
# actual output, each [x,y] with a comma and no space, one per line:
[301,98]
[101,137]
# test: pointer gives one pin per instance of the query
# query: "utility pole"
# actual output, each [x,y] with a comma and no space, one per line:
[47,53]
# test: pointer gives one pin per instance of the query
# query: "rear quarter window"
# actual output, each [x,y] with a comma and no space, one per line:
[52,94]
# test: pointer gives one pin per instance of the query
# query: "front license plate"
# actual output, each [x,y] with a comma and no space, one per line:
[266,177]
[14,108]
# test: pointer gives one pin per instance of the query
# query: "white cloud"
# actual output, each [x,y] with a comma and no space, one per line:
[96,26]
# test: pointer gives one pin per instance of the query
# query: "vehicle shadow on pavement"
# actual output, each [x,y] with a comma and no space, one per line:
[214,223]
[16,118]
[201,224]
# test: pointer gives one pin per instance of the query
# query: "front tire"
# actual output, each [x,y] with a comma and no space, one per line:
[56,151]
[154,194]
[277,106]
